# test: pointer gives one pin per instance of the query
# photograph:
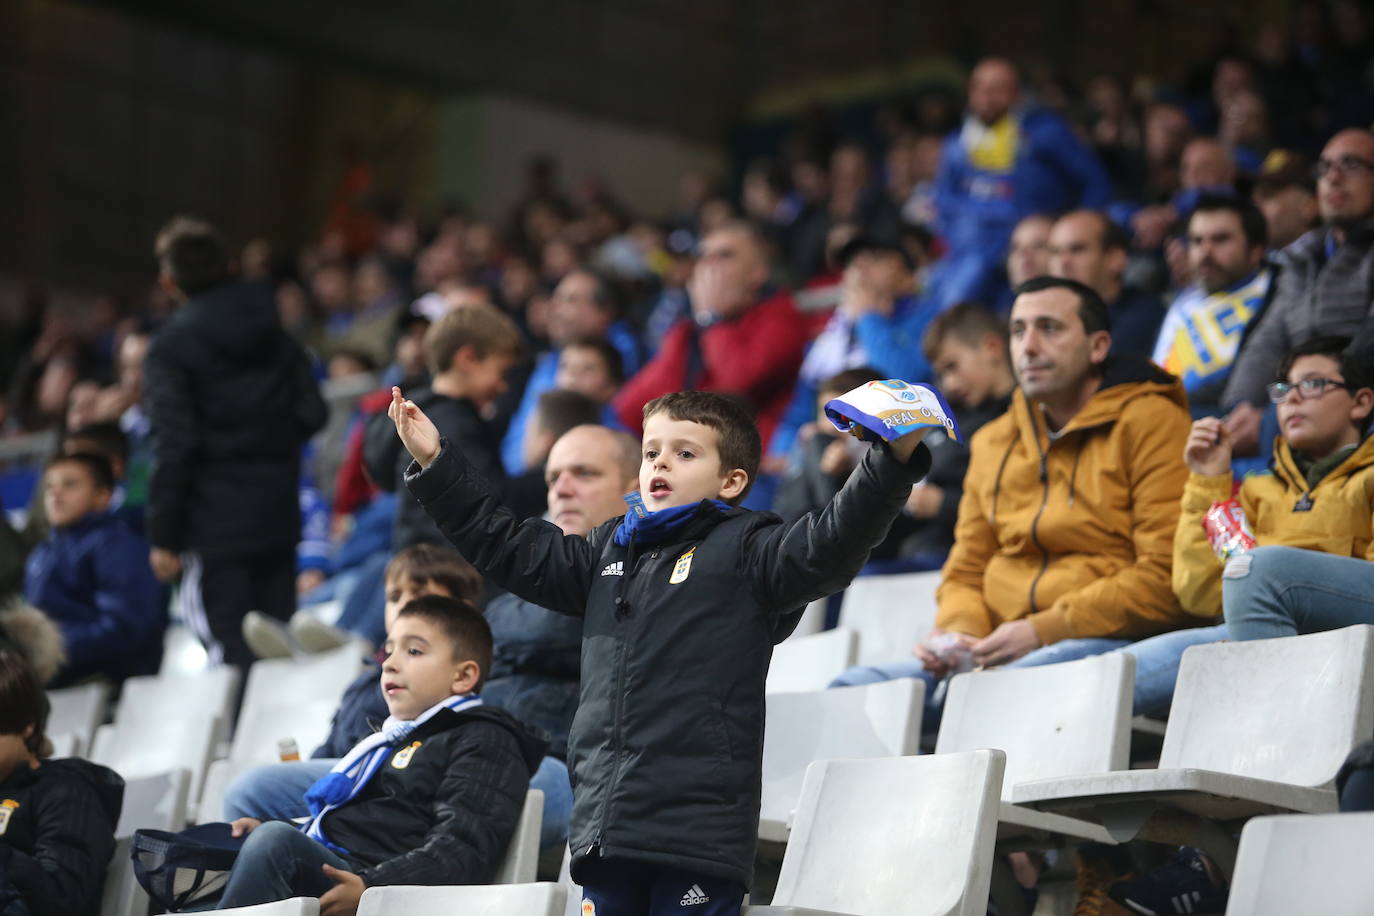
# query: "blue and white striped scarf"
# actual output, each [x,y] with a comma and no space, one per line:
[351,774]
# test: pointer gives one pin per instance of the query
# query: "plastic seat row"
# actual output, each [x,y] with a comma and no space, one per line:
[1241,740]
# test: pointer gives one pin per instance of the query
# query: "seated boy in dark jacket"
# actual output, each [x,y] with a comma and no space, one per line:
[57,818]
[276,791]
[91,576]
[681,607]
[433,798]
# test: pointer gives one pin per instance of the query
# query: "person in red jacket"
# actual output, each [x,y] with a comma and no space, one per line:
[737,341]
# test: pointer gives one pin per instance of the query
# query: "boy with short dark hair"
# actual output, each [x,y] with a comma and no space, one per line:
[108,441]
[469,350]
[91,576]
[433,798]
[681,606]
[275,790]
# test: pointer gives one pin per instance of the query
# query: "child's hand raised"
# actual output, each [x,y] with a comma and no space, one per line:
[418,433]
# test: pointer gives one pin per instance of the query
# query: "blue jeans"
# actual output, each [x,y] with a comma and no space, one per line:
[1156,668]
[364,610]
[278,862]
[277,791]
[552,779]
[1286,591]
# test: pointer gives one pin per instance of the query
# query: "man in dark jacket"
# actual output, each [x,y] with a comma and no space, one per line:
[434,798]
[681,608]
[537,665]
[230,401]
[1325,285]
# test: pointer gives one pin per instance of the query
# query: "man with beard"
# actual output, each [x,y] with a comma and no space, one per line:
[1203,328]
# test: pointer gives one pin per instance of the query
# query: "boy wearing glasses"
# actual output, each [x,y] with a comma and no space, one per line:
[1311,513]
[1325,283]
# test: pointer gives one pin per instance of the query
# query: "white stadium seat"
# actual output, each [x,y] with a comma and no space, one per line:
[1305,863]
[876,720]
[1052,720]
[1256,728]
[543,899]
[890,613]
[78,711]
[522,855]
[811,662]
[146,748]
[896,836]
[213,691]
[296,906]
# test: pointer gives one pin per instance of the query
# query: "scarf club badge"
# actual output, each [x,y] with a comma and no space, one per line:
[402,758]
[6,809]
[682,568]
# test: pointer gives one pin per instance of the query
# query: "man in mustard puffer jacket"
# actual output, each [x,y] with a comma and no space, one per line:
[1065,533]
[1312,514]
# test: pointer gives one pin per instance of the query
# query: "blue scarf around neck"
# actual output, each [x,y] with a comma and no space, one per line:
[351,774]
[656,527]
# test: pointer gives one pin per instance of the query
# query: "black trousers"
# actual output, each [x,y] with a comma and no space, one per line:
[216,593]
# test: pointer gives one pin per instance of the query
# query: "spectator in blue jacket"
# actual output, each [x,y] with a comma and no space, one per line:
[91,576]
[1008,160]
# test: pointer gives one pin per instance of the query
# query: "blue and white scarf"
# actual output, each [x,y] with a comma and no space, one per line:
[351,774]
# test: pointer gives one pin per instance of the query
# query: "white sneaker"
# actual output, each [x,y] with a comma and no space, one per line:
[266,636]
[314,635]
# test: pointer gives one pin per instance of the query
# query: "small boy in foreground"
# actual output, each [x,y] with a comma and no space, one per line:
[682,605]
[433,798]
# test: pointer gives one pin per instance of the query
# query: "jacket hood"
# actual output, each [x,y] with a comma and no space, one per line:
[33,635]
[1124,378]
[108,785]
[239,319]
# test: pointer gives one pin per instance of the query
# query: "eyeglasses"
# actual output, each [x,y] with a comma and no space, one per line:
[1344,164]
[1307,389]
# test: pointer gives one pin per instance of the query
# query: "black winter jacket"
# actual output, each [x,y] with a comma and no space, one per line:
[667,745]
[386,460]
[230,401]
[535,667]
[448,814]
[58,837]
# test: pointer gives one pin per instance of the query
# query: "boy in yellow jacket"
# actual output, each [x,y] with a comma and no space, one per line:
[1312,514]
